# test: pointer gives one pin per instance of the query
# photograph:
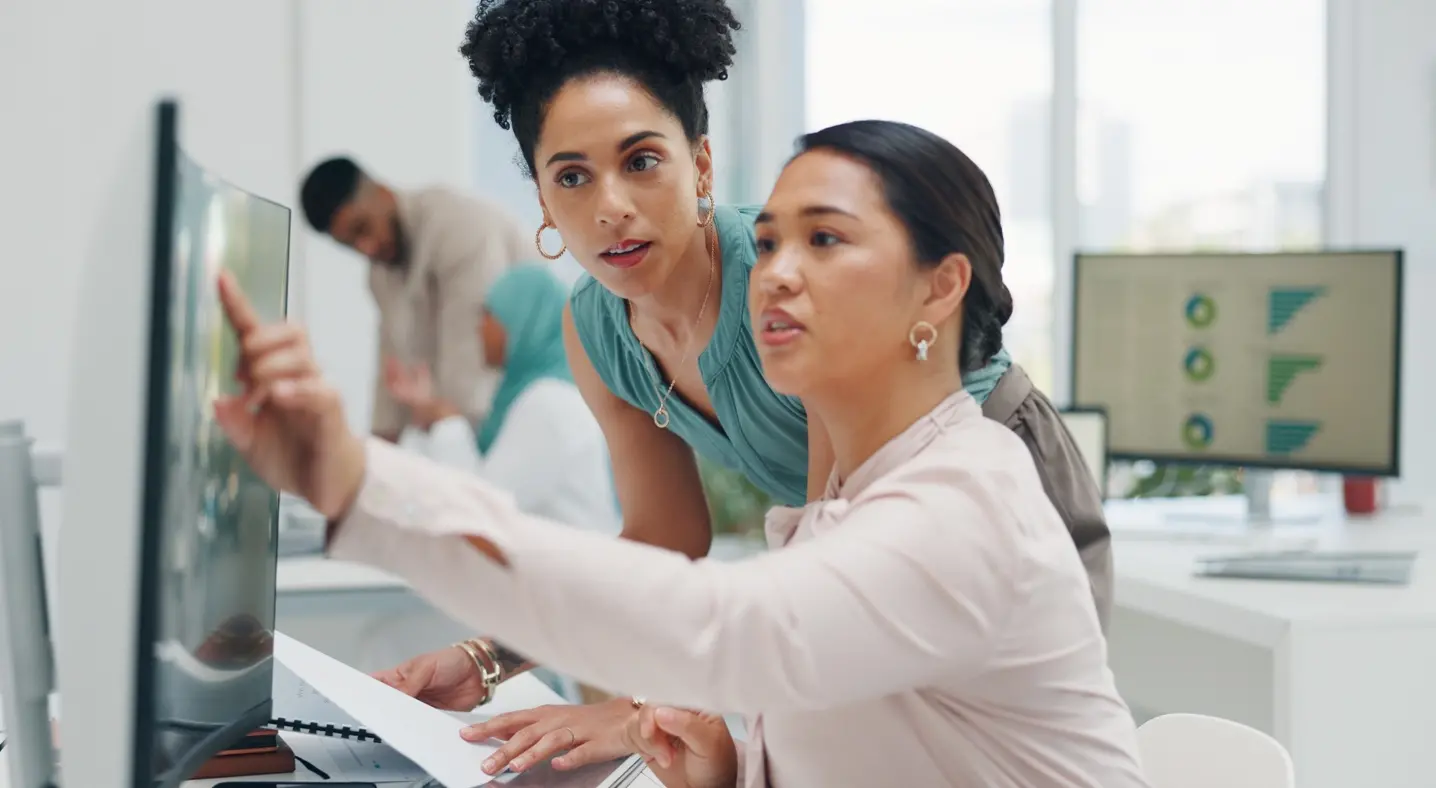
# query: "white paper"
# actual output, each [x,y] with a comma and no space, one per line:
[427,736]
[296,700]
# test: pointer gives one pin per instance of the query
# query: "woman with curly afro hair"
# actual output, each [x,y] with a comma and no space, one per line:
[606,101]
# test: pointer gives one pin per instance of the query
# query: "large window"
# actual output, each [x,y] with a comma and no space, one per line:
[978,72]
[1200,126]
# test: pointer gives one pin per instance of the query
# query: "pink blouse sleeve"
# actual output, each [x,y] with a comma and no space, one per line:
[900,588]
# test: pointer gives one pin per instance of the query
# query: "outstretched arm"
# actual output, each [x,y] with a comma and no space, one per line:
[889,597]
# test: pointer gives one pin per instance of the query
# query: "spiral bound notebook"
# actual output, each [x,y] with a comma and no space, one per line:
[299,707]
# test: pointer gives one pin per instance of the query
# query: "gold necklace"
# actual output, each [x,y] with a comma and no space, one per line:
[660,416]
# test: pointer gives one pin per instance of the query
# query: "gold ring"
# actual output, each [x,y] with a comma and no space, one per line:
[572,737]
[637,702]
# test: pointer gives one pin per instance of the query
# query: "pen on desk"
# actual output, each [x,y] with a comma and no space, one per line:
[323,775]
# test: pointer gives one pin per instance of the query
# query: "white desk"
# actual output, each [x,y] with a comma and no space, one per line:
[520,692]
[360,616]
[1343,675]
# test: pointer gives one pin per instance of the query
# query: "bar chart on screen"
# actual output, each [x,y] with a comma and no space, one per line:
[1283,370]
[1285,437]
[1285,303]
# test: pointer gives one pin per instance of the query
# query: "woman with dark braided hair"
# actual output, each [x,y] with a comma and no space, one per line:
[925,621]
[605,99]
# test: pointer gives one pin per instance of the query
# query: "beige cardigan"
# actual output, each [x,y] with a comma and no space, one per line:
[429,309]
[926,623]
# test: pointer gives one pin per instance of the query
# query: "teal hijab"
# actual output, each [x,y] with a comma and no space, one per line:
[528,301]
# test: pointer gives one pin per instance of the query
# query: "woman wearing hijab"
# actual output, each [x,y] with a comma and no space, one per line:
[540,441]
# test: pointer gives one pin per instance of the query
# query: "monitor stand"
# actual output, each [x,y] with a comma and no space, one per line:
[27,670]
[1246,520]
[1256,485]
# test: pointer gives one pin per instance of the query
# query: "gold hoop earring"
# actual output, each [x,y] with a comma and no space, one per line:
[926,342]
[712,210]
[538,242]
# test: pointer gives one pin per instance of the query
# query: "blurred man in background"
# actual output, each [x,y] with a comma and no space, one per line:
[433,253]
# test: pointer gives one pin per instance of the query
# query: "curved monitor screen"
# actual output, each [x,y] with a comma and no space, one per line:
[210,554]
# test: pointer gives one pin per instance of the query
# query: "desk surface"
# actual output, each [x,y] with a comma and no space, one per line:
[317,574]
[520,692]
[1157,577]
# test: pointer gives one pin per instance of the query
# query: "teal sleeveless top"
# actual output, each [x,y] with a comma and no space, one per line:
[760,433]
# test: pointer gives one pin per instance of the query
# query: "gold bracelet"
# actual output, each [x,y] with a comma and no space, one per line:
[487,665]
[488,649]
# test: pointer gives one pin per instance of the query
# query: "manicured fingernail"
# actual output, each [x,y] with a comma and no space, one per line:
[665,715]
[519,764]
[489,766]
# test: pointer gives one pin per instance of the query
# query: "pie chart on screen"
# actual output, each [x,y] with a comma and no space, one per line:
[1199,364]
[1201,310]
[1197,431]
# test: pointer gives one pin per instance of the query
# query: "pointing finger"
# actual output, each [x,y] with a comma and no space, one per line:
[237,308]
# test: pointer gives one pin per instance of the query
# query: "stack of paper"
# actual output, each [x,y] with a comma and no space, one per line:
[417,739]
[425,735]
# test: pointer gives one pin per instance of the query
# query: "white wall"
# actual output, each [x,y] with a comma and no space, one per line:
[75,81]
[78,82]
[1381,182]
[383,81]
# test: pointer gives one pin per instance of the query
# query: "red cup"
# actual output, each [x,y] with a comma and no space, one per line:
[1359,494]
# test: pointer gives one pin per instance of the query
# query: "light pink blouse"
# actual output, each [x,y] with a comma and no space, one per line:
[928,623]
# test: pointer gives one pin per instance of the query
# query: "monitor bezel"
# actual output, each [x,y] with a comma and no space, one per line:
[153,468]
[1392,469]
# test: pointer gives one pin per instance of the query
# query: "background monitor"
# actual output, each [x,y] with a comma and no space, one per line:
[1289,360]
[1088,428]
[192,549]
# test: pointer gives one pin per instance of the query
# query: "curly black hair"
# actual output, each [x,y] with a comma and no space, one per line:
[523,51]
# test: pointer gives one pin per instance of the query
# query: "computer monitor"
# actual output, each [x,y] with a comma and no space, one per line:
[1088,428]
[1286,360]
[179,605]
